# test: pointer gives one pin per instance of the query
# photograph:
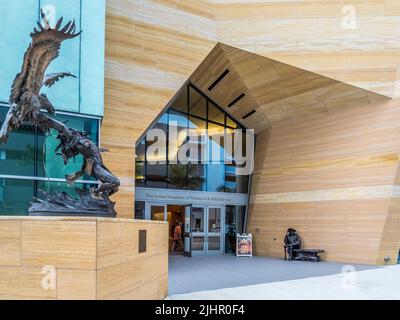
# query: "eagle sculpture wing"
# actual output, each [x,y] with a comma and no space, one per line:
[51,78]
[25,98]
[45,47]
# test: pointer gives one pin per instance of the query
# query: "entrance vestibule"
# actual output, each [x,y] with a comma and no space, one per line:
[202,227]
[209,221]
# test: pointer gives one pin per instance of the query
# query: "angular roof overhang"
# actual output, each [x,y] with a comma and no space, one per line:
[261,92]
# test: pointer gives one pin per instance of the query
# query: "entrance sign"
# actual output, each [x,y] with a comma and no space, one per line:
[244,245]
[192,197]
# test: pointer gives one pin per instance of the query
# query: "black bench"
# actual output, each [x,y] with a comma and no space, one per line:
[308,254]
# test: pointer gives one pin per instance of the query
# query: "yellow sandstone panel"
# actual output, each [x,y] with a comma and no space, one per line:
[22,283]
[148,291]
[66,248]
[333,179]
[62,244]
[114,281]
[10,241]
[122,271]
[108,244]
[152,47]
[315,35]
[76,284]
[155,267]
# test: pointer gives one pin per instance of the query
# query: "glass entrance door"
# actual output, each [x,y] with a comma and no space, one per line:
[214,238]
[206,233]
[198,231]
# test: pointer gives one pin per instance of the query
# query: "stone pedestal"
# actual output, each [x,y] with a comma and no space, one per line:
[83,258]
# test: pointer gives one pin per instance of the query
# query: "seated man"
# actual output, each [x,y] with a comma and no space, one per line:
[292,242]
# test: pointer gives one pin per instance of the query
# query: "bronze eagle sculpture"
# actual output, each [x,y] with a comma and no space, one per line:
[26,101]
[29,105]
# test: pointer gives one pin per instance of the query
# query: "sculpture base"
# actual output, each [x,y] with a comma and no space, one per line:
[63,258]
[62,204]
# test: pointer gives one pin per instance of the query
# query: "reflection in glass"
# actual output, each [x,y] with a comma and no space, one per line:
[235,183]
[141,150]
[216,177]
[197,140]
[215,114]
[30,153]
[231,123]
[157,147]
[197,220]
[17,157]
[216,134]
[214,243]
[177,176]
[234,223]
[53,166]
[214,220]
[156,175]
[15,196]
[197,243]
[197,177]
[140,207]
[52,187]
[195,161]
[140,174]
[229,146]
[178,124]
[157,213]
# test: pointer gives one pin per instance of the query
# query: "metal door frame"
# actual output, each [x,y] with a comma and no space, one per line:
[222,230]
[155,204]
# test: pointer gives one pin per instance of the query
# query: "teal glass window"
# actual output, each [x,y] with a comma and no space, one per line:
[61,186]
[17,157]
[82,56]
[15,196]
[28,163]
[52,165]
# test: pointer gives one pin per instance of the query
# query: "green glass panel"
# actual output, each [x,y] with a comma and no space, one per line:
[15,196]
[17,157]
[53,164]
[55,187]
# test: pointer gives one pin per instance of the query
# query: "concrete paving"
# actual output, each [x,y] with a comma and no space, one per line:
[187,275]
[375,284]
